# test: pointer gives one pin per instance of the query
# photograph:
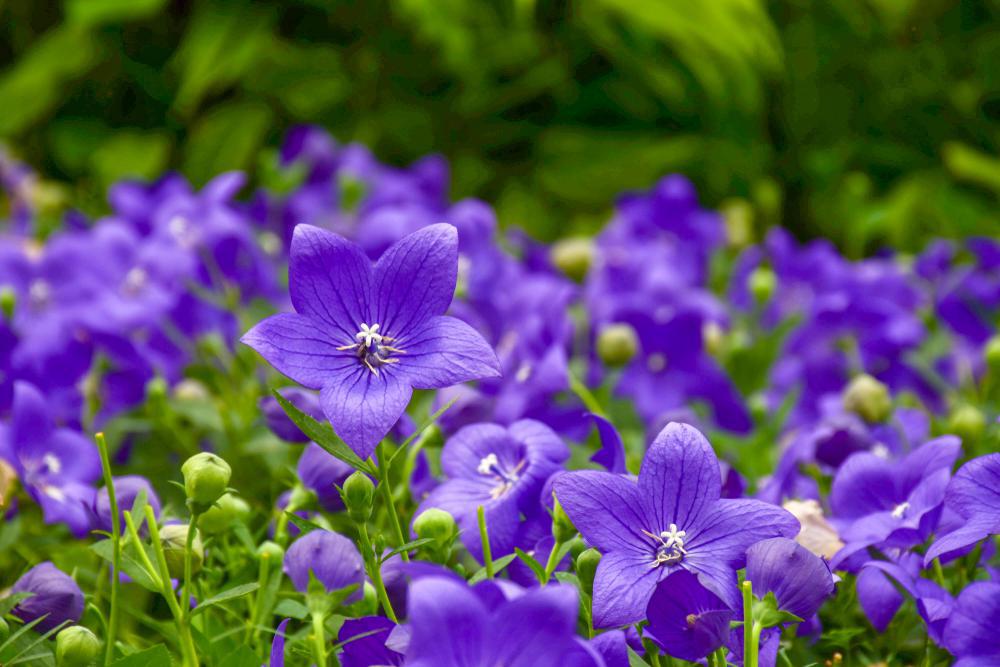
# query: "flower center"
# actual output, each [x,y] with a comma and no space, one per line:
[489,466]
[899,510]
[370,346]
[670,548]
[39,292]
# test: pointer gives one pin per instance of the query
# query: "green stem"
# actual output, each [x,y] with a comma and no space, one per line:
[755,645]
[186,588]
[553,561]
[188,651]
[390,505]
[319,639]
[375,572]
[939,574]
[749,647]
[485,539]
[584,394]
[116,545]
[256,611]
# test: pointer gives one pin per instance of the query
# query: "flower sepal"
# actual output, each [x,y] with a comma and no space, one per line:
[768,614]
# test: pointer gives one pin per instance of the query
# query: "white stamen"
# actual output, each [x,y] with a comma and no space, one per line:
[880,450]
[53,463]
[135,280]
[487,464]
[523,372]
[368,335]
[656,362]
[674,538]
[55,492]
[39,292]
[900,510]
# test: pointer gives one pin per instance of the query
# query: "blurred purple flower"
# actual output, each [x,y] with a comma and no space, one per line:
[686,619]
[54,595]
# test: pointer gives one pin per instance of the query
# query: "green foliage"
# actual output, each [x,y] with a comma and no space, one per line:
[866,121]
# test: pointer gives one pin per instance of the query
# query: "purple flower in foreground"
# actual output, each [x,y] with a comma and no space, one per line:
[799,579]
[53,593]
[330,557]
[686,619]
[974,494]
[366,335]
[364,641]
[971,633]
[502,469]
[673,518]
[452,625]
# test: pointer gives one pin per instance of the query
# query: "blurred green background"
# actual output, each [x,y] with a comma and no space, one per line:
[870,122]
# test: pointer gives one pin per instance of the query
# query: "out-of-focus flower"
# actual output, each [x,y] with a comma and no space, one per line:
[54,595]
[973,494]
[970,633]
[330,557]
[800,580]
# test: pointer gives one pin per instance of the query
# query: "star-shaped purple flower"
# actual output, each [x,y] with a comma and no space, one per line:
[672,518]
[366,335]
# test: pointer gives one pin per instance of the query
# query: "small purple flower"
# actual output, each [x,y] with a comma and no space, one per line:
[53,593]
[673,518]
[971,633]
[973,494]
[686,619]
[278,421]
[127,489]
[452,625]
[330,557]
[56,465]
[366,335]
[895,503]
[502,469]
[364,641]
[322,472]
[799,579]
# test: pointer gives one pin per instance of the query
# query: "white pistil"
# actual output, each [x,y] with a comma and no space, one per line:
[900,510]
[39,292]
[53,463]
[674,538]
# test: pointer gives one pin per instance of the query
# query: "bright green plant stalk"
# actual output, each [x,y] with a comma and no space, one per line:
[319,638]
[375,572]
[189,653]
[390,505]
[188,543]
[116,545]
[751,632]
[484,536]
[553,561]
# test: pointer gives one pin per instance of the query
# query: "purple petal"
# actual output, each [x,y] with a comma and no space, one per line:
[729,527]
[679,476]
[534,628]
[976,529]
[278,645]
[622,587]
[975,490]
[461,498]
[415,279]
[31,422]
[612,647]
[686,619]
[878,597]
[608,511]
[448,625]
[540,440]
[445,351]
[363,407]
[330,281]
[463,451]
[330,557]
[301,348]
[971,629]
[934,455]
[612,452]
[864,484]
[800,580]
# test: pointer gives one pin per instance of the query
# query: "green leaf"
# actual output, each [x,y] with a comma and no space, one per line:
[241,657]
[409,546]
[97,12]
[231,594]
[11,601]
[303,525]
[535,566]
[129,563]
[289,608]
[226,138]
[498,565]
[322,435]
[156,656]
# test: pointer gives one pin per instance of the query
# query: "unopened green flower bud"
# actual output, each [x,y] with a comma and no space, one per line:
[737,216]
[190,389]
[8,302]
[563,529]
[156,390]
[586,568]
[573,257]
[868,398]
[992,354]
[76,646]
[438,525]
[967,422]
[358,493]
[617,344]
[270,551]
[173,539]
[221,516]
[762,283]
[206,477]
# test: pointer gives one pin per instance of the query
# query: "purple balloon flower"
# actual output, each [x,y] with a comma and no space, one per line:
[54,595]
[502,469]
[974,494]
[366,335]
[686,619]
[799,579]
[970,633]
[452,625]
[364,641]
[877,501]
[673,518]
[330,557]
[127,489]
